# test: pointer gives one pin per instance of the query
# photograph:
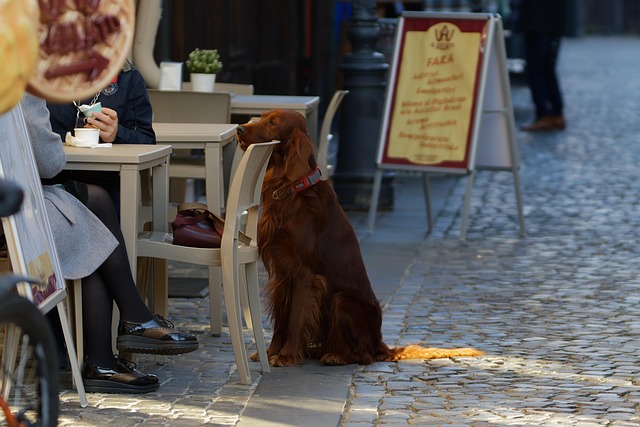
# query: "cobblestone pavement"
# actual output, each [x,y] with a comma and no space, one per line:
[557,311]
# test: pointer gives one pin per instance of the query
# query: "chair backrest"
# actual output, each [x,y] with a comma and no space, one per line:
[231,162]
[325,134]
[190,107]
[235,161]
[232,88]
[245,190]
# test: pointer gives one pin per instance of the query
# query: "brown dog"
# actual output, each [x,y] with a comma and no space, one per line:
[318,294]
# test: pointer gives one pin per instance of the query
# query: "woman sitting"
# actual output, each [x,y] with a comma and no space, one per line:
[91,247]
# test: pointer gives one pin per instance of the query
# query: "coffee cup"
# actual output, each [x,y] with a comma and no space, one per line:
[87,136]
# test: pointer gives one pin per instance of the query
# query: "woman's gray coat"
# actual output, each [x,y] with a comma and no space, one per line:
[83,242]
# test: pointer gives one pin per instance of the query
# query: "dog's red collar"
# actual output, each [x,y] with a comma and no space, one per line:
[298,186]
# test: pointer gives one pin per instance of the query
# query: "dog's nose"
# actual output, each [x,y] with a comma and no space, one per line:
[241,129]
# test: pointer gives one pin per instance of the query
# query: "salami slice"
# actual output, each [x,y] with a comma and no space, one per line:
[82,46]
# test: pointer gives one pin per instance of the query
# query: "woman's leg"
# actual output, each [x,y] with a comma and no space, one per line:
[115,272]
[139,331]
[97,321]
[101,371]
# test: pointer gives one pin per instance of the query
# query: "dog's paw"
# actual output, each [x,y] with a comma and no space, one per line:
[338,359]
[254,357]
[283,360]
[332,359]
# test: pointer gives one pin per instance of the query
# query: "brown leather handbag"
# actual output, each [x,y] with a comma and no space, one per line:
[197,227]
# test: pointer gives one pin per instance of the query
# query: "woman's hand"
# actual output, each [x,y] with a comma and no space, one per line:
[107,122]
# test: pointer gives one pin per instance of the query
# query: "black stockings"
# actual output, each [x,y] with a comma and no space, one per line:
[112,281]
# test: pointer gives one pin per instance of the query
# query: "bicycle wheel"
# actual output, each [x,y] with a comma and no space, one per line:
[29,374]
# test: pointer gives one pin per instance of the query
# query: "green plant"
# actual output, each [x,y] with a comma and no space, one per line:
[206,61]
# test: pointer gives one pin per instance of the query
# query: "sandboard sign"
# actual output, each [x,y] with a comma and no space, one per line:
[448,105]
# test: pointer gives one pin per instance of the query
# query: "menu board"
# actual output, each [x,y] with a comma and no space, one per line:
[432,99]
[448,106]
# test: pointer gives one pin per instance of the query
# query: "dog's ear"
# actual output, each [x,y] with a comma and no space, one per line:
[299,155]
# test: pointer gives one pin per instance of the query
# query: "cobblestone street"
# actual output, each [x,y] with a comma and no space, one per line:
[556,311]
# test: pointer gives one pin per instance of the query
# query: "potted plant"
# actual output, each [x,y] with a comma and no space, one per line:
[203,64]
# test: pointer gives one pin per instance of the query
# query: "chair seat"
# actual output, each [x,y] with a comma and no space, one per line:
[156,244]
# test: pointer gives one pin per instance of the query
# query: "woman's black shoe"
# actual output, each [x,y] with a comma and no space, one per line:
[125,378]
[156,336]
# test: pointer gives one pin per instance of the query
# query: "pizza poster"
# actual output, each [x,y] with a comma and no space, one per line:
[432,92]
[30,244]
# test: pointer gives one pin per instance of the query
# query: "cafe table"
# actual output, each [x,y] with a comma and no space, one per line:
[210,137]
[129,160]
[258,104]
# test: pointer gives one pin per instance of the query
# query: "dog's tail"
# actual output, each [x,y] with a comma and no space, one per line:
[417,352]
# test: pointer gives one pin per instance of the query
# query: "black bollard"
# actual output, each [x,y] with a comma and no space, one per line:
[365,77]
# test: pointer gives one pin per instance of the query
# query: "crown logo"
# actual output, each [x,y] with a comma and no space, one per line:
[443,38]
[444,35]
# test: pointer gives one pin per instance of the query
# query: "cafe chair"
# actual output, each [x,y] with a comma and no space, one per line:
[326,137]
[188,107]
[232,88]
[238,261]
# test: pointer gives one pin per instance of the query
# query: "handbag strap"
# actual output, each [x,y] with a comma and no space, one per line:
[190,220]
[202,216]
[192,205]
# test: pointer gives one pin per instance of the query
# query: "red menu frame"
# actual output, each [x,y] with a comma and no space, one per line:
[441,43]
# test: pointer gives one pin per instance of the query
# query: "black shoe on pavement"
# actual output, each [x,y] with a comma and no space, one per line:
[125,378]
[156,336]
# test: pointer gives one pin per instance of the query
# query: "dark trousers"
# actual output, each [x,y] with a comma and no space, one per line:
[541,52]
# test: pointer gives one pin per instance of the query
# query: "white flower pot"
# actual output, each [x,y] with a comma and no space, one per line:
[202,82]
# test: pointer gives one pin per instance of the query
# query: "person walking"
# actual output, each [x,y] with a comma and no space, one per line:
[543,24]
